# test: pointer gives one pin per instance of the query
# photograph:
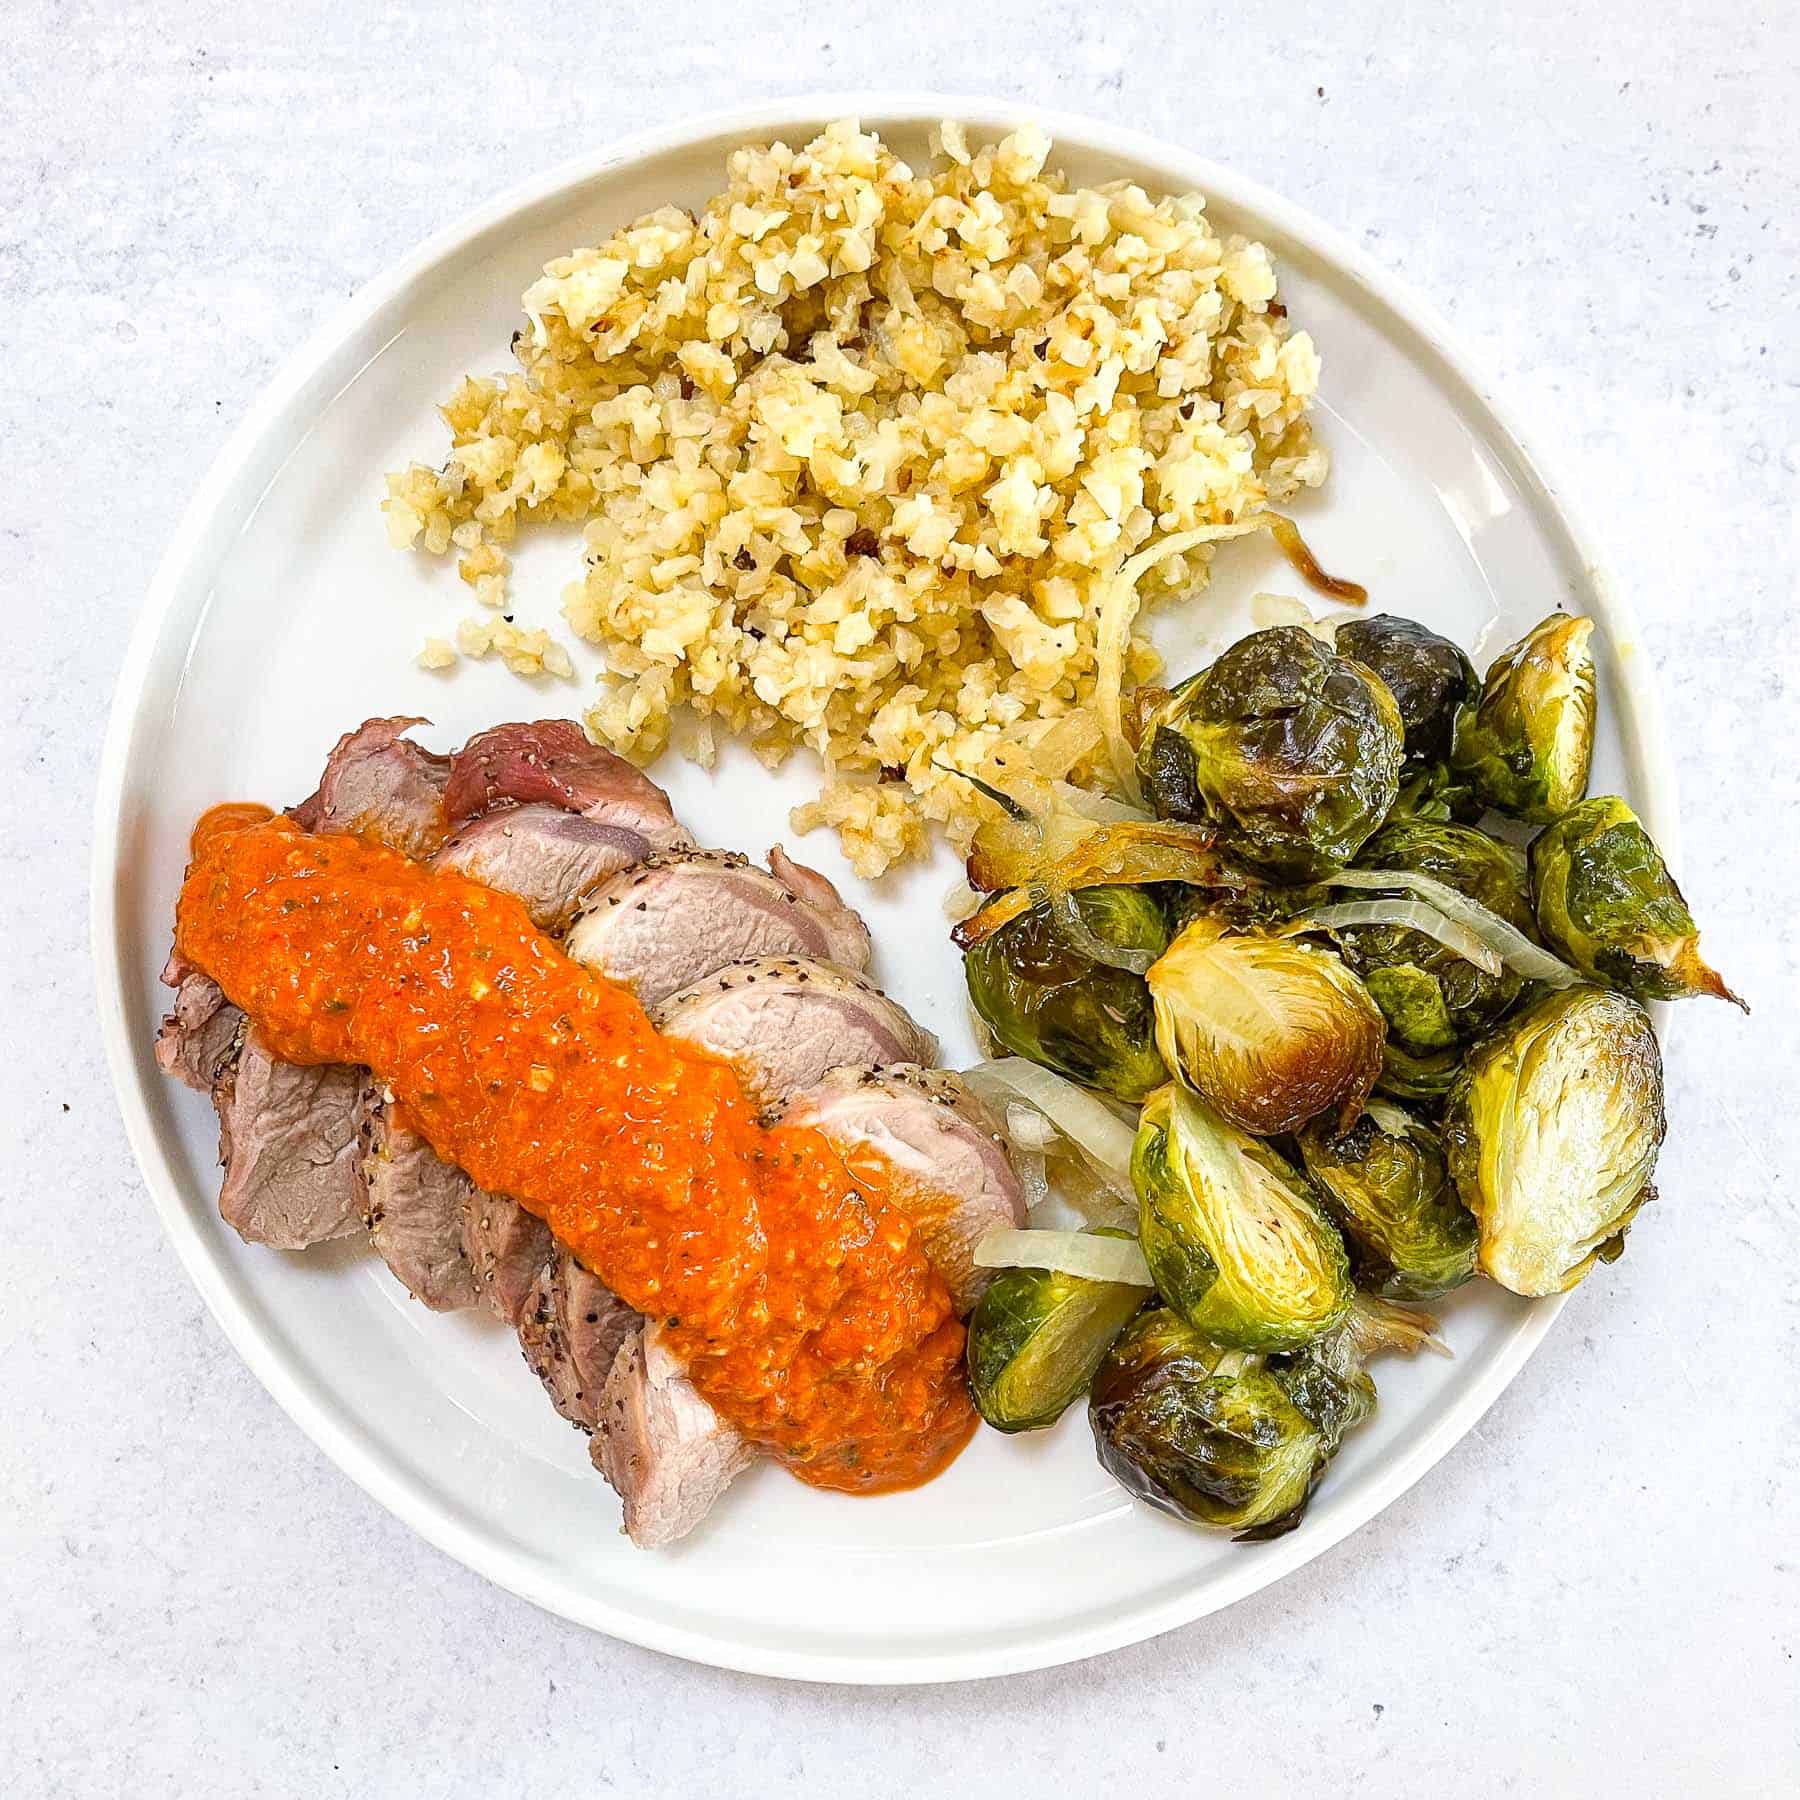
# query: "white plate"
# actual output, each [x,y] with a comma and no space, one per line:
[280,617]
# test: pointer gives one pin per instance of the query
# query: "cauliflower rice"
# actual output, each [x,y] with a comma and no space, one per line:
[858,451]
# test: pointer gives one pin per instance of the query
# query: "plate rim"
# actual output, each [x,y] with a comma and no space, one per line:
[339,1438]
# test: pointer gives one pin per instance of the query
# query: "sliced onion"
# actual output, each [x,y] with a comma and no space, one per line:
[1065,914]
[1414,915]
[1028,1128]
[1394,1120]
[1034,1179]
[1112,631]
[1083,1118]
[1069,1252]
[1507,942]
[1075,735]
[1092,804]
[962,901]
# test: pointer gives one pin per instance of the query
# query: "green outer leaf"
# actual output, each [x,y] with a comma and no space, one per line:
[1606,900]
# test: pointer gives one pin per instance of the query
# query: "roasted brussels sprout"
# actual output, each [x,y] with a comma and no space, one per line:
[1432,998]
[1215,1436]
[1526,744]
[1036,1337]
[1430,791]
[1269,1030]
[1046,1001]
[1607,903]
[1428,676]
[1551,1132]
[1424,1080]
[1235,1236]
[1386,1184]
[1290,750]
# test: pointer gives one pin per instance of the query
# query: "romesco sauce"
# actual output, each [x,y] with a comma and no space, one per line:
[801,1303]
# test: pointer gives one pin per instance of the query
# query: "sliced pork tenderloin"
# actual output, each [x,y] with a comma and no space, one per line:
[949,1170]
[289,1137]
[289,1140]
[549,858]
[551,760]
[846,936]
[379,784]
[416,1206]
[783,1022]
[199,1034]
[571,1333]
[666,1453]
[676,919]
[508,1248]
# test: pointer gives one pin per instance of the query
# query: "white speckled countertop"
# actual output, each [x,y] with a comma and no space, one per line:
[1598,1592]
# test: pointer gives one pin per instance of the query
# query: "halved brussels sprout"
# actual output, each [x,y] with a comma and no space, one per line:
[1607,903]
[1429,677]
[1217,1437]
[1036,1337]
[1551,1132]
[1269,1030]
[1046,1001]
[1526,745]
[1292,751]
[1432,998]
[1235,1236]
[1386,1184]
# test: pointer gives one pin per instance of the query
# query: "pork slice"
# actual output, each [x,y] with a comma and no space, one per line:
[949,1170]
[288,1137]
[199,1034]
[549,858]
[667,1454]
[782,1022]
[379,784]
[847,937]
[507,1247]
[551,760]
[676,919]
[571,1331]
[416,1203]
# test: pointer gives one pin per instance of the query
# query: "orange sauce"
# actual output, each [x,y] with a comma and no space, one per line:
[799,1299]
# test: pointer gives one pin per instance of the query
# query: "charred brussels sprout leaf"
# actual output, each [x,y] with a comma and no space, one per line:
[1234,1234]
[1290,750]
[1386,1184]
[1432,998]
[1428,676]
[1036,1337]
[1044,1000]
[1269,1030]
[1551,1132]
[1607,903]
[1214,1436]
[1526,745]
